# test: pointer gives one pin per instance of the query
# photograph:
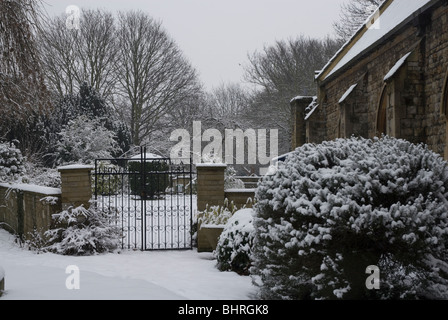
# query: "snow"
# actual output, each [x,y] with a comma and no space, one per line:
[240,190]
[75,167]
[129,275]
[397,13]
[311,108]
[347,93]
[32,188]
[147,155]
[300,98]
[242,217]
[396,67]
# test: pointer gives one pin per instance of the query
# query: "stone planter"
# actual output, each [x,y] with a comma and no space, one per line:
[208,236]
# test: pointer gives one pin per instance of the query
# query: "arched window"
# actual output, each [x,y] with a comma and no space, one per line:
[346,112]
[444,105]
[444,111]
[381,120]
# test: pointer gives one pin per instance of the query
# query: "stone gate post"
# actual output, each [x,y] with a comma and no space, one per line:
[76,185]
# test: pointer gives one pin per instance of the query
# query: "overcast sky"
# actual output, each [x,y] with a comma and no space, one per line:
[217,35]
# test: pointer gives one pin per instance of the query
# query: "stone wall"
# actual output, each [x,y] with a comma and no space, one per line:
[210,185]
[240,197]
[436,67]
[76,185]
[25,208]
[413,94]
[211,192]
[298,113]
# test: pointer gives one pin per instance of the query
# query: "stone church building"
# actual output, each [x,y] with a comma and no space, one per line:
[390,78]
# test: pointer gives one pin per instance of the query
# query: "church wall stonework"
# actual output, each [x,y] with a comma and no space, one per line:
[411,97]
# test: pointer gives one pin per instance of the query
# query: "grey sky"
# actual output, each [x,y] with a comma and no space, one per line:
[217,35]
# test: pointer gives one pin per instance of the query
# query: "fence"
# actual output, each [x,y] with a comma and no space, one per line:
[152,199]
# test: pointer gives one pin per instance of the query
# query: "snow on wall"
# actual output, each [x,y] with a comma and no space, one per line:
[76,166]
[211,165]
[32,188]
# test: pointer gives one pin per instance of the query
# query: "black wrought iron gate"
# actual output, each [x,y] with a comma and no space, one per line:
[151,199]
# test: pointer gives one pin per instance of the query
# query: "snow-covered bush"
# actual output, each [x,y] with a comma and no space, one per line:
[41,176]
[84,140]
[80,231]
[11,162]
[332,210]
[235,243]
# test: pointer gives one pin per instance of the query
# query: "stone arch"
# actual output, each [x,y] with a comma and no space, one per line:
[444,110]
[381,118]
[444,103]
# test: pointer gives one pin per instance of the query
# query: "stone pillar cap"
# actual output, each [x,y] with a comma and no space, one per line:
[76,167]
[211,165]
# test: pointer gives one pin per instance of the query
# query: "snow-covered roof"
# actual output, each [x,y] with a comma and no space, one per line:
[347,93]
[391,15]
[311,108]
[301,98]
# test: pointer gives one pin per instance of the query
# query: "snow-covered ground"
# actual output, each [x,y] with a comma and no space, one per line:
[136,275]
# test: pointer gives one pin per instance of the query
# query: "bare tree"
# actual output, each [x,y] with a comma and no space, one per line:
[154,76]
[21,79]
[282,71]
[353,15]
[85,55]
[23,94]
[227,103]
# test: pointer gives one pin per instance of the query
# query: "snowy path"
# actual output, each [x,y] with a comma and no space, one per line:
[168,275]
